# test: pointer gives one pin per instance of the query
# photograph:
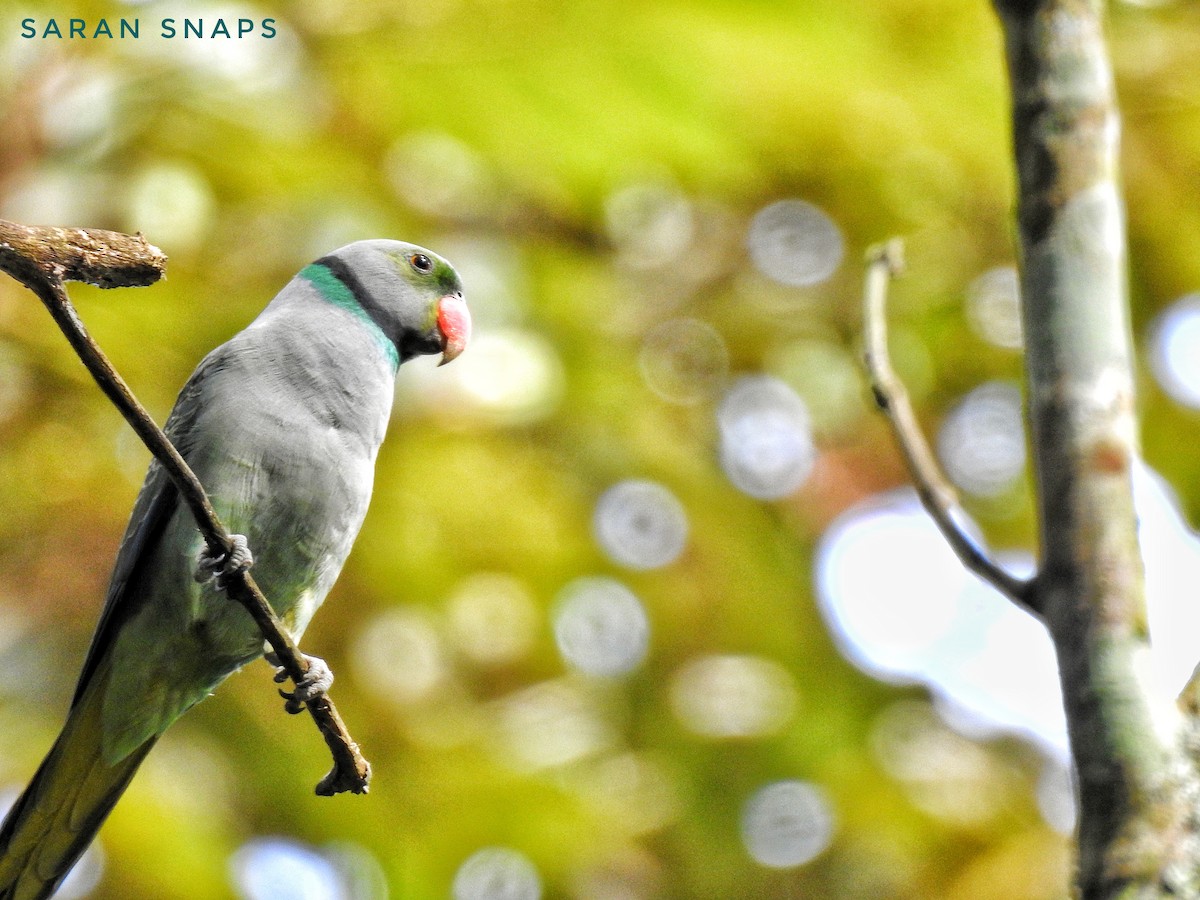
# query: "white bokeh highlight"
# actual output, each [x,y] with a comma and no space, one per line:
[438,174]
[640,524]
[497,873]
[733,696]
[513,376]
[79,104]
[639,792]
[787,824]
[1056,797]
[1171,552]
[274,868]
[172,201]
[601,627]
[1175,350]
[942,772]
[766,441]
[902,608]
[795,243]
[650,223]
[982,442]
[399,656]
[994,307]
[551,723]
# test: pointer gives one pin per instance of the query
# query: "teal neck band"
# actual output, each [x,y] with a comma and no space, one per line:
[337,292]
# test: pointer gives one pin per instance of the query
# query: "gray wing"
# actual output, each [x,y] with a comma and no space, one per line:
[157,501]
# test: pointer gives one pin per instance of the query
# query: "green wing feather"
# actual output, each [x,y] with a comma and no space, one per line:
[68,799]
[76,786]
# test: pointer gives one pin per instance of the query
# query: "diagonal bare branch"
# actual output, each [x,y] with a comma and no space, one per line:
[884,262]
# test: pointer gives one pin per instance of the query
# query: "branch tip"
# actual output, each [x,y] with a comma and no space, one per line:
[108,259]
[890,254]
[884,262]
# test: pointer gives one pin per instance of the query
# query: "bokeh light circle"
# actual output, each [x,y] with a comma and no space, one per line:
[552,723]
[601,627]
[982,442]
[827,376]
[994,307]
[766,444]
[1175,350]
[640,524]
[787,823]
[399,655]
[795,243]
[492,618]
[684,360]
[438,174]
[497,873]
[79,105]
[650,223]
[901,607]
[276,868]
[172,201]
[733,696]
[638,790]
[513,375]
[944,773]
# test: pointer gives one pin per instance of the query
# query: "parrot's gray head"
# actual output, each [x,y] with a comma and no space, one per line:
[412,294]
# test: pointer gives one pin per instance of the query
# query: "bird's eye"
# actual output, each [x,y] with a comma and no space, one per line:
[421,263]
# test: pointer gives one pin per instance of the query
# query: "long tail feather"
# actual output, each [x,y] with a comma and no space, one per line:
[72,793]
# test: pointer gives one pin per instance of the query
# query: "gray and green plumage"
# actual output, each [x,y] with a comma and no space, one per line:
[282,425]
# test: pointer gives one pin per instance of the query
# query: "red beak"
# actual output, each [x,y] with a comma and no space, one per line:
[454,322]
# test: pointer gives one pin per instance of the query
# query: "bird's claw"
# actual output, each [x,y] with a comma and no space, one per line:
[224,566]
[315,683]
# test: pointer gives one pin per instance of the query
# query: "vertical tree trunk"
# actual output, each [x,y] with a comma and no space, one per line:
[1136,787]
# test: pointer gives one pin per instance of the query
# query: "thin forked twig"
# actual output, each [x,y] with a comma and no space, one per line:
[884,262]
[41,259]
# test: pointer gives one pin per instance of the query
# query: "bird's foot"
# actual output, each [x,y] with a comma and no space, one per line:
[224,566]
[314,684]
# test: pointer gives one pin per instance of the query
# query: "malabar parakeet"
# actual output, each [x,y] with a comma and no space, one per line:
[282,425]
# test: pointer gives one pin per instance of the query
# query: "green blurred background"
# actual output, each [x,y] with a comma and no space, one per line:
[596,636]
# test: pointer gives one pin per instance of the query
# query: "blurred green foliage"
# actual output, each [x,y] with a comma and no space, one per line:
[501,134]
